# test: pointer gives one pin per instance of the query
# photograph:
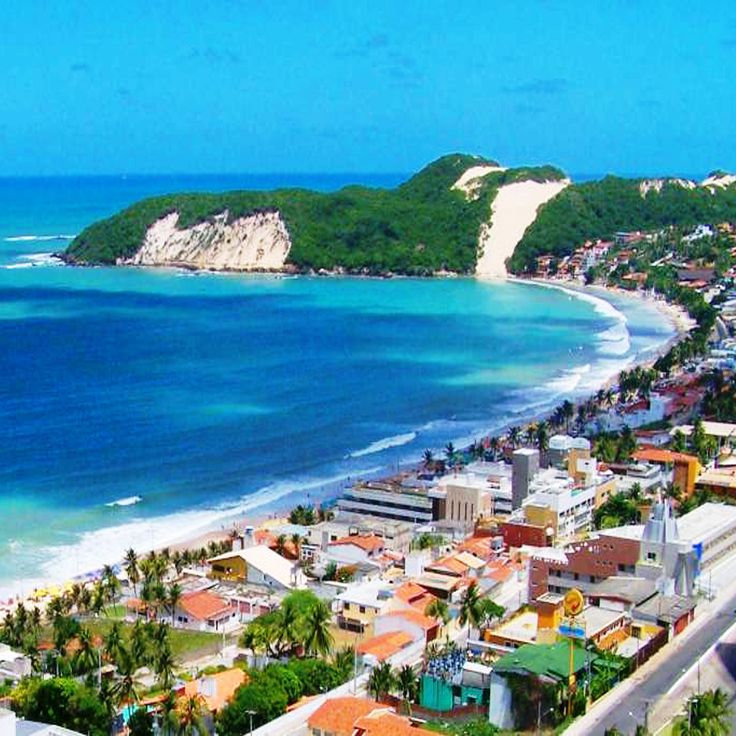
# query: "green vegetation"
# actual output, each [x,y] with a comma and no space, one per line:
[421,227]
[708,713]
[599,209]
[300,624]
[62,702]
[269,691]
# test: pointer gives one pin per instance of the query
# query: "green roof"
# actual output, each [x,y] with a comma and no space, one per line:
[551,660]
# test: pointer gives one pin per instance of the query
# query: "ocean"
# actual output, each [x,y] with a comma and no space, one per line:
[140,406]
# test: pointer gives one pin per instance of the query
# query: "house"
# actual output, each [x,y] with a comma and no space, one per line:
[356,548]
[215,690]
[351,716]
[359,605]
[257,565]
[204,611]
[685,467]
[413,596]
[13,665]
[417,625]
[383,646]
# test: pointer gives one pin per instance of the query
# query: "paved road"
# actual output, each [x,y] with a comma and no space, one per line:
[658,681]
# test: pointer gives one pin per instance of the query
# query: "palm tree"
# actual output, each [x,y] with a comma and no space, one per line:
[568,411]
[126,688]
[381,681]
[317,636]
[130,563]
[280,547]
[470,610]
[438,609]
[708,715]
[514,434]
[138,644]
[164,665]
[113,642]
[296,542]
[189,717]
[407,684]
[344,661]
[172,599]
[494,446]
[86,657]
[542,437]
[427,459]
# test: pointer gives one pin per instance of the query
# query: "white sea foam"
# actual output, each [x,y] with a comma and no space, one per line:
[386,443]
[108,545]
[129,501]
[18,265]
[31,238]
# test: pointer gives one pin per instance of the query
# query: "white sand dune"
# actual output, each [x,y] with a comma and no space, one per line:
[470,181]
[514,209]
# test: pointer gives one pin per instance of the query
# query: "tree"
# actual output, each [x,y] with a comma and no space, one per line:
[280,547]
[317,636]
[381,681]
[487,611]
[172,599]
[130,564]
[407,684]
[438,609]
[427,459]
[140,723]
[708,715]
[63,702]
[252,705]
[189,717]
[470,612]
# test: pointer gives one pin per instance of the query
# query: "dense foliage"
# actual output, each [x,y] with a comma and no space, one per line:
[63,702]
[421,227]
[599,209]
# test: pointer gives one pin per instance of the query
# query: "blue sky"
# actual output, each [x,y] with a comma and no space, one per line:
[354,85]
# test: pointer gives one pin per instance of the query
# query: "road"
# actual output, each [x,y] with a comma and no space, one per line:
[626,705]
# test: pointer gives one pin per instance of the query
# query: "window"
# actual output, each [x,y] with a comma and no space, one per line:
[652,556]
[346,606]
[362,609]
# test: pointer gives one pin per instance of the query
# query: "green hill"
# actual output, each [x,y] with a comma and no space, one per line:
[420,227]
[599,209]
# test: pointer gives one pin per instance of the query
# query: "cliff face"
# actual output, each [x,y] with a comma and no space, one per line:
[256,242]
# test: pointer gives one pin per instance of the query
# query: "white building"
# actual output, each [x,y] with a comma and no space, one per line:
[571,502]
[11,726]
[13,665]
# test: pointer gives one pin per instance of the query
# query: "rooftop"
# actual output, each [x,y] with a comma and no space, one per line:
[368,543]
[264,559]
[385,645]
[374,594]
[338,715]
[204,605]
[216,689]
[551,660]
[668,608]
[707,522]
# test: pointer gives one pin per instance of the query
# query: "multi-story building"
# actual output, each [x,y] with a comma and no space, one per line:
[525,464]
[392,500]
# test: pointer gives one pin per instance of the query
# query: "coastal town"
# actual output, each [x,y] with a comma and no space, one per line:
[538,581]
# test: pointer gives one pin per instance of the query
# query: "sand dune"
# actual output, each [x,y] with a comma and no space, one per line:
[470,181]
[514,209]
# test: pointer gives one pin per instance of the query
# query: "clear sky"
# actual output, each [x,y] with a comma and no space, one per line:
[365,85]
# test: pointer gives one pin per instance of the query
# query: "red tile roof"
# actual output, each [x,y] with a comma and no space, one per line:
[385,645]
[657,455]
[338,715]
[414,595]
[203,605]
[425,622]
[369,542]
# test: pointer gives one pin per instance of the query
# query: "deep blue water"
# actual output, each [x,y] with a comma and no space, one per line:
[203,394]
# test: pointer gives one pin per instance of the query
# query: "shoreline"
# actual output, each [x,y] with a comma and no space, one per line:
[252,511]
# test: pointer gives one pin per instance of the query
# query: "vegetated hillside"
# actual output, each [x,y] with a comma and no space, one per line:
[421,227]
[599,209]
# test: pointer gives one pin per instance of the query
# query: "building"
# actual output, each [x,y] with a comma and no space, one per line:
[391,500]
[397,535]
[216,690]
[11,726]
[358,606]
[417,625]
[204,611]
[473,496]
[355,549]
[257,565]
[13,665]
[562,445]
[525,464]
[351,716]
[685,468]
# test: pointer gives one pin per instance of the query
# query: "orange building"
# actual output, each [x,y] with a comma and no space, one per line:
[685,468]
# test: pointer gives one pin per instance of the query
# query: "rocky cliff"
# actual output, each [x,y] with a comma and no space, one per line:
[256,242]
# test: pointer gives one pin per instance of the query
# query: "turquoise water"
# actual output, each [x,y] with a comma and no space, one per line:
[202,395]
